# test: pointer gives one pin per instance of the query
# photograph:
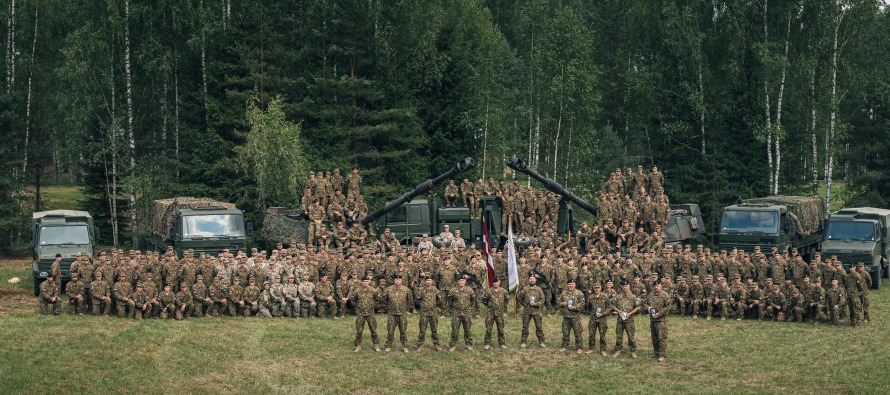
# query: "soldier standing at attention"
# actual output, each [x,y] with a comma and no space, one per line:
[600,309]
[496,299]
[626,305]
[428,299]
[56,268]
[659,305]
[532,299]
[398,297]
[572,302]
[364,298]
[266,303]
[355,183]
[468,194]
[100,294]
[49,295]
[306,291]
[461,298]
[863,290]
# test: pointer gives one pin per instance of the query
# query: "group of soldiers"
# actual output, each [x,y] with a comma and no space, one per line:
[330,201]
[435,282]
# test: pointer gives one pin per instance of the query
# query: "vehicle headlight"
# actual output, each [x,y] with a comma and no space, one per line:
[44,274]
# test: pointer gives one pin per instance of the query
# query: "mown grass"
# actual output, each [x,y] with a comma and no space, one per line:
[70,354]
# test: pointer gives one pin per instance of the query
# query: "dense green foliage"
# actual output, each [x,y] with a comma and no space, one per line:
[153,99]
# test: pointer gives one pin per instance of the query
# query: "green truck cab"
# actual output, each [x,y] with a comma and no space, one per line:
[201,225]
[783,222]
[860,235]
[64,232]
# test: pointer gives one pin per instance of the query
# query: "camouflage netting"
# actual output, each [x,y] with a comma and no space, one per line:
[808,212]
[163,211]
[280,228]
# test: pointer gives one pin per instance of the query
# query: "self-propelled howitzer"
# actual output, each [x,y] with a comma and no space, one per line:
[420,189]
[520,166]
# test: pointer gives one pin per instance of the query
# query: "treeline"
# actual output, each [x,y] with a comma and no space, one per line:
[238,100]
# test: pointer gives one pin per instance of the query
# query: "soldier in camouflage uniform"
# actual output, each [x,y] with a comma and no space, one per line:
[451,194]
[250,303]
[600,308]
[141,301]
[167,300]
[49,295]
[429,301]
[123,293]
[398,298]
[306,292]
[235,296]
[496,299]
[532,299]
[201,297]
[658,304]
[324,297]
[217,295]
[266,303]
[364,298]
[461,298]
[625,305]
[837,301]
[183,302]
[354,182]
[291,298]
[571,301]
[863,290]
[76,296]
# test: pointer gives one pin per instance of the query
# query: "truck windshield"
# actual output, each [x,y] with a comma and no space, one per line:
[750,221]
[213,225]
[54,235]
[850,230]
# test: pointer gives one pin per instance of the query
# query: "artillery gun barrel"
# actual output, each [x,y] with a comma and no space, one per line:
[520,166]
[420,189]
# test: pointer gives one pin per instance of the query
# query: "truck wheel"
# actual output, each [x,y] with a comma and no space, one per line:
[876,283]
[37,286]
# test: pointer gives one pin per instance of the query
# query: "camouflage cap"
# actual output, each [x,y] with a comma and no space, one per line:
[860,264]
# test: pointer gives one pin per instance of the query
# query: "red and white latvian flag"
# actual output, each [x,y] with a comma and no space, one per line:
[486,249]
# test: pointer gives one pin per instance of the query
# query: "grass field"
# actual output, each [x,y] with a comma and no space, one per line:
[69,354]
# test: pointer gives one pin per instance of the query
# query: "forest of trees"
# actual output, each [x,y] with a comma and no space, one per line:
[136,100]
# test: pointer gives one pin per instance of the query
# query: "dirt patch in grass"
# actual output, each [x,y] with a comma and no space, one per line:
[16,301]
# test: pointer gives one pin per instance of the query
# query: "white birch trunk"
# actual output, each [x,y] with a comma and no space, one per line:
[28,99]
[556,140]
[485,140]
[112,135]
[134,225]
[769,134]
[779,110]
[701,115]
[831,119]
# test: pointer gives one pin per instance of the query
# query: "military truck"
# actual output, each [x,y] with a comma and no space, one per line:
[860,235]
[778,221]
[65,232]
[199,224]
